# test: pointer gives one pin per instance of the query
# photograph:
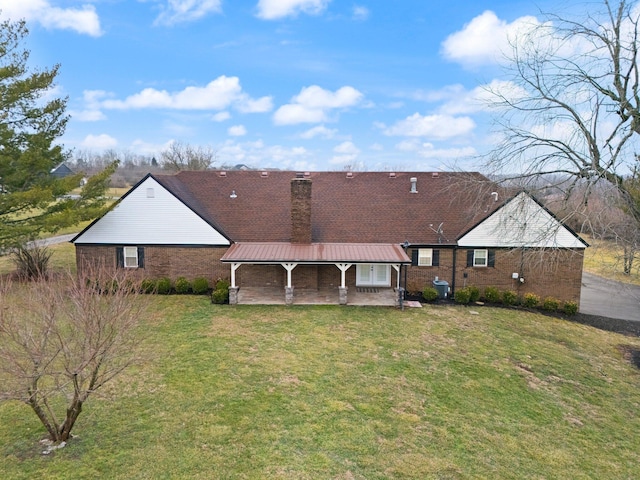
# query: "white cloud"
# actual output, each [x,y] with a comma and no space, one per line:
[312,105]
[265,156]
[87,115]
[360,13]
[99,142]
[274,9]
[486,39]
[249,105]
[347,147]
[221,116]
[145,148]
[218,94]
[292,114]
[456,100]
[427,150]
[319,131]
[180,11]
[346,152]
[439,127]
[83,20]
[237,131]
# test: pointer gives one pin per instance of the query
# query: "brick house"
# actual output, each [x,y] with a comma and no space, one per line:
[336,231]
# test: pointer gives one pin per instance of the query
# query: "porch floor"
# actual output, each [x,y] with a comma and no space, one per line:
[385,297]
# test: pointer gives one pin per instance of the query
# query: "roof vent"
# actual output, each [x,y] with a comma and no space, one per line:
[495,196]
[414,185]
[264,174]
[307,174]
[435,175]
[349,174]
[223,174]
[299,175]
[392,175]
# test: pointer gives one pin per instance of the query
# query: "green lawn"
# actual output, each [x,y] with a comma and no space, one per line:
[351,393]
[604,258]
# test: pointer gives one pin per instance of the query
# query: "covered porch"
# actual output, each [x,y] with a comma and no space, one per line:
[383,297]
[376,288]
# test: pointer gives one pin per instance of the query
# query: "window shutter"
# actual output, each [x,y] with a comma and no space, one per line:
[414,257]
[469,258]
[120,257]
[435,258]
[491,260]
[140,257]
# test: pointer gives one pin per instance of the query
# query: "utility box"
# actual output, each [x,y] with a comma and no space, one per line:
[442,287]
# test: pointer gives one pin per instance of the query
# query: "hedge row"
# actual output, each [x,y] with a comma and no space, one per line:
[509,297]
[472,294]
[182,286]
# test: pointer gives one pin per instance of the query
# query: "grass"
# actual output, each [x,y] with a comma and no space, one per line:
[252,392]
[63,258]
[604,258]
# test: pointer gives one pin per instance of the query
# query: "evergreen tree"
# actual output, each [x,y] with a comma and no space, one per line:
[32,201]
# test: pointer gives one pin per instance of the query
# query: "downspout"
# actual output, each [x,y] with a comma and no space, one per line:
[453,276]
[405,246]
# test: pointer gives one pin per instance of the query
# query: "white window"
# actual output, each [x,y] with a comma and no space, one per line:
[425,257]
[131,257]
[480,258]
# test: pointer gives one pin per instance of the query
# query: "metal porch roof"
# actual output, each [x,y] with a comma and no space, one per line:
[278,252]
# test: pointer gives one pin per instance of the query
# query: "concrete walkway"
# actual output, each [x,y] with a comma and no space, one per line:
[608,298]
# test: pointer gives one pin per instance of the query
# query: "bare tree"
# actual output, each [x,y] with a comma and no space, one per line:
[180,156]
[61,341]
[572,109]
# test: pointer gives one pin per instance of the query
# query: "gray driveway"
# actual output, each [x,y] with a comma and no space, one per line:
[607,298]
[45,242]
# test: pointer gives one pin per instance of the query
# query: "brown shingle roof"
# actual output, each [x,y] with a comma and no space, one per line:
[365,207]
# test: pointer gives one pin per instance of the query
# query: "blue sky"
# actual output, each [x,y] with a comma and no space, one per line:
[292,84]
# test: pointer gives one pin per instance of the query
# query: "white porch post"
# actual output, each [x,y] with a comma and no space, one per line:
[289,268]
[396,266]
[343,270]
[342,290]
[234,267]
[288,291]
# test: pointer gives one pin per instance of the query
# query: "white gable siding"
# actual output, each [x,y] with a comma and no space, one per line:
[522,222]
[150,215]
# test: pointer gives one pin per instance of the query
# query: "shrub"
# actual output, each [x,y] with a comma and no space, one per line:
[414,288]
[570,308]
[492,294]
[221,293]
[163,286]
[530,300]
[430,294]
[509,297]
[200,286]
[220,296]
[462,296]
[32,263]
[148,285]
[550,304]
[474,294]
[182,285]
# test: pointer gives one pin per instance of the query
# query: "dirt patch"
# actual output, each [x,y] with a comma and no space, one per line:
[631,354]
[626,327]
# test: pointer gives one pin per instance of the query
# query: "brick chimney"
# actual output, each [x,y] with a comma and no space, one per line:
[300,209]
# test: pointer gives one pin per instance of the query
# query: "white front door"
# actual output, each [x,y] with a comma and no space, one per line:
[373,275]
